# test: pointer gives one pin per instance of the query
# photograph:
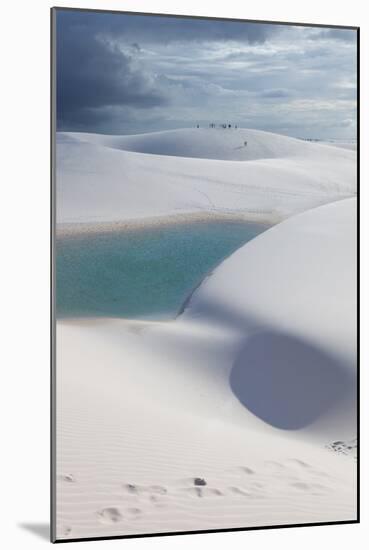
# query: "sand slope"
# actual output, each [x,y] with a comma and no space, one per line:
[101,178]
[181,396]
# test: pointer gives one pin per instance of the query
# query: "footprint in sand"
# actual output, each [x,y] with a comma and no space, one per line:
[240,470]
[68,478]
[109,515]
[257,485]
[131,488]
[247,470]
[138,490]
[155,494]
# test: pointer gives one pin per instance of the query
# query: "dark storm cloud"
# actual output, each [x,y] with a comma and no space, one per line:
[127,74]
[93,73]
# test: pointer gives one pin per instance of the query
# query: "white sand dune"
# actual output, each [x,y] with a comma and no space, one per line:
[204,143]
[297,300]
[120,178]
[219,418]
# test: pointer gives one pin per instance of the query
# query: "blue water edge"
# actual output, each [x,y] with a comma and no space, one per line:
[143,273]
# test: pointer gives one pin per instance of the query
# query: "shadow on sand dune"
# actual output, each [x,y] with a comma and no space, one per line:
[286,382]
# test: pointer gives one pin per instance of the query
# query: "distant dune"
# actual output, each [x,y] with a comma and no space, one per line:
[120,178]
[207,143]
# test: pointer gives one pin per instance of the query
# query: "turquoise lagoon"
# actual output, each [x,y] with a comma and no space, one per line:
[142,273]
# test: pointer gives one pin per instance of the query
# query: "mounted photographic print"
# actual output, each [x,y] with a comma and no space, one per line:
[204,302]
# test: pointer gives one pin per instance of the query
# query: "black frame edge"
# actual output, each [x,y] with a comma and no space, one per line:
[213,18]
[52,278]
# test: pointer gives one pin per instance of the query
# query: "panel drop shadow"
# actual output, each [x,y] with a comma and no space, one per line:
[42,530]
[287,382]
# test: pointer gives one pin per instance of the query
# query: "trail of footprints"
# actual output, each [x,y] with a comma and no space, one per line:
[243,482]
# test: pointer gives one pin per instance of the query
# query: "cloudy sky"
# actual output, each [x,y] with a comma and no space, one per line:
[124,74]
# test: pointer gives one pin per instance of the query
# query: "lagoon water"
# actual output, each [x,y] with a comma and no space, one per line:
[144,273]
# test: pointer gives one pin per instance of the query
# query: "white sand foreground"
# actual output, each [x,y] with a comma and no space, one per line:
[220,418]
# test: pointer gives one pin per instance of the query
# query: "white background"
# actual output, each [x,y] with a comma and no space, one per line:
[24,204]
